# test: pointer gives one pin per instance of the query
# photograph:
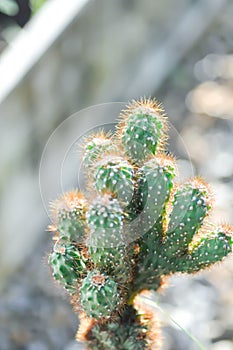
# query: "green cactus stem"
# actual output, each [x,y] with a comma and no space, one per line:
[68,214]
[105,222]
[100,296]
[94,146]
[107,248]
[142,130]
[206,251]
[190,206]
[155,185]
[68,266]
[114,174]
[132,330]
[155,182]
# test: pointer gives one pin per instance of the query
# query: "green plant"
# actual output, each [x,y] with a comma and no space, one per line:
[137,227]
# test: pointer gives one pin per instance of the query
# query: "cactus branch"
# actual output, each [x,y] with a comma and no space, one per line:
[137,228]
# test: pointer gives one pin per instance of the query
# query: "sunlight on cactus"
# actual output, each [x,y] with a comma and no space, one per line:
[133,228]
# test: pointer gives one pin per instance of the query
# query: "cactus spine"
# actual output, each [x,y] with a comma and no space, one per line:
[138,227]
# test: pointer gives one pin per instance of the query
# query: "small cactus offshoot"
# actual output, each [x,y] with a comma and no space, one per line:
[99,295]
[136,226]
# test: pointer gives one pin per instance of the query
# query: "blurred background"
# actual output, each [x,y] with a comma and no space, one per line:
[58,57]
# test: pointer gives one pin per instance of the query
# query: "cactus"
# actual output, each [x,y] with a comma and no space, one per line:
[94,146]
[99,295]
[68,265]
[207,250]
[68,214]
[133,330]
[137,227]
[106,243]
[115,174]
[142,130]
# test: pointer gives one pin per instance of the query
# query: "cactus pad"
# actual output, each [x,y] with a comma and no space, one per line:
[115,175]
[106,242]
[190,206]
[99,295]
[142,130]
[155,184]
[207,251]
[94,147]
[105,213]
[68,265]
[69,217]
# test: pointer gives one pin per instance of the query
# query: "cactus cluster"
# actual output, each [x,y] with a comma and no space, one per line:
[134,226]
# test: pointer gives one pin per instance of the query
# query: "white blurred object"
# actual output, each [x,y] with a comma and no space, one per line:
[36,37]
[211,98]
[223,345]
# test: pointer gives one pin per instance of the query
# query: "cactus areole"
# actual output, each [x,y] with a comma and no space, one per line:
[139,226]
